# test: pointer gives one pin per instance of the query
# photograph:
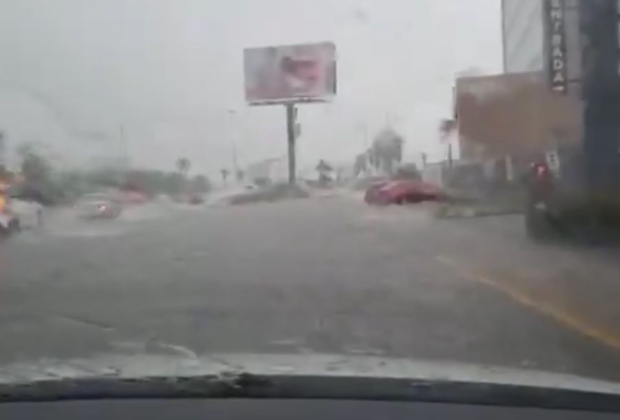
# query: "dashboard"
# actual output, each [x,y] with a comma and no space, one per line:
[274,409]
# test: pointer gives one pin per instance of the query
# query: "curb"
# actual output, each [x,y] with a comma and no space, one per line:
[473,212]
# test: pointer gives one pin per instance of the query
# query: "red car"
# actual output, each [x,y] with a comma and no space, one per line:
[401,192]
[133,197]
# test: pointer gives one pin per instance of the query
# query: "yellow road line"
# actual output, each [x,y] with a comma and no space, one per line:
[567,319]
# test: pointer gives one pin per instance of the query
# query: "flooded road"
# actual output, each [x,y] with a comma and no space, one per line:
[306,277]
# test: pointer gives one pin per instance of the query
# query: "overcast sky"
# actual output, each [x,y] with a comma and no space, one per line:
[72,72]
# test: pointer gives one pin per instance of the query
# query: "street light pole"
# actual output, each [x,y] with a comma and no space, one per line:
[234,157]
[233,144]
[291,116]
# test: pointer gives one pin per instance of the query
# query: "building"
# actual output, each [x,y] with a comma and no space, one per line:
[275,170]
[523,35]
[574,45]
[542,39]
[513,114]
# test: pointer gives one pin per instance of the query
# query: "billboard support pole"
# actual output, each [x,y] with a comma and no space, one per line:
[290,135]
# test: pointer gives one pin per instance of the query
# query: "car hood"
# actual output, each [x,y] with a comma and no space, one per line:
[188,365]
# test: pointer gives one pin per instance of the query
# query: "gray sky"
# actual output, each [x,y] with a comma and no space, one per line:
[73,71]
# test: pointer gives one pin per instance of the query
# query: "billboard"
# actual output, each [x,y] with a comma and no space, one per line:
[292,73]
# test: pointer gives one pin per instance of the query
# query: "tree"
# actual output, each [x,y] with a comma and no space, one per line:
[373,160]
[5,174]
[173,183]
[106,177]
[361,164]
[35,168]
[200,184]
[324,170]
[447,127]
[323,166]
[408,171]
[183,165]
[37,174]
[150,182]
[387,150]
[153,182]
[73,183]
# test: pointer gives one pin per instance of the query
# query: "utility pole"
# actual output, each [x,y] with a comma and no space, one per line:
[291,117]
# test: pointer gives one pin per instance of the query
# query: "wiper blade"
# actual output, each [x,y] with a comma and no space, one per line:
[247,385]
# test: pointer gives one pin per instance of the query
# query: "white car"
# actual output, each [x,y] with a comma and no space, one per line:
[19,211]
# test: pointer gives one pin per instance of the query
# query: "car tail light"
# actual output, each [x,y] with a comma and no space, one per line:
[541,171]
[542,180]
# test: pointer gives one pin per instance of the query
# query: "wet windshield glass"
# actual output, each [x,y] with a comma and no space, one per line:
[434,181]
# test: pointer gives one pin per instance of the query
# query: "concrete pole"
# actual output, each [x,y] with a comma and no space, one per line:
[290,134]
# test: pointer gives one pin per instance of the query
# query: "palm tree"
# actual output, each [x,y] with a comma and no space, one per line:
[387,150]
[183,165]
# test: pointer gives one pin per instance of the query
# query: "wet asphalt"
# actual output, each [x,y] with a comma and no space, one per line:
[323,275]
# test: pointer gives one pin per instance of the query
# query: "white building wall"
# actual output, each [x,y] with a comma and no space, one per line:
[523,36]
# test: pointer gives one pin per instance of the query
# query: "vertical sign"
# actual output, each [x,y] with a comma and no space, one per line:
[556,45]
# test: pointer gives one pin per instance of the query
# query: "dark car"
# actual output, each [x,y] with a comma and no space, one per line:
[196,199]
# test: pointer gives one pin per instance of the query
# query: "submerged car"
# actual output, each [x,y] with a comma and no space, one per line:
[401,192]
[99,206]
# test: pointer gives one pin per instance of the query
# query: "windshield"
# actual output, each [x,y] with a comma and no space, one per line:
[433,181]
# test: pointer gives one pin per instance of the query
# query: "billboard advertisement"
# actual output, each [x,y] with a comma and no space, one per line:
[288,74]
